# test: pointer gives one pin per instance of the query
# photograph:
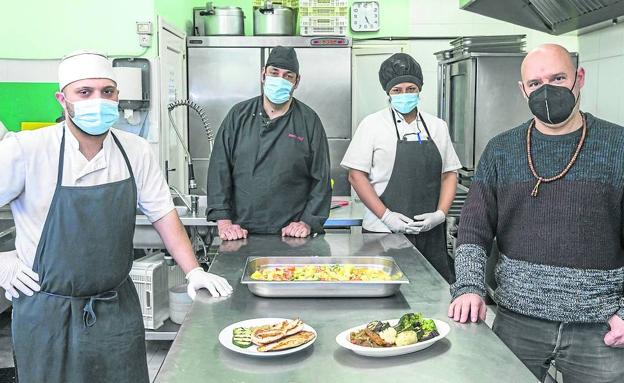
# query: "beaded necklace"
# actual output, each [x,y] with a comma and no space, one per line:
[565,170]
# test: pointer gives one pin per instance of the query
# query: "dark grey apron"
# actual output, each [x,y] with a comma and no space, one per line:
[414,188]
[85,325]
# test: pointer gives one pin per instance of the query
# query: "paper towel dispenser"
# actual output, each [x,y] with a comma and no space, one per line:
[133,82]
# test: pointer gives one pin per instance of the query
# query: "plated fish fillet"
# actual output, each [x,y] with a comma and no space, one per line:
[300,338]
[264,336]
[272,333]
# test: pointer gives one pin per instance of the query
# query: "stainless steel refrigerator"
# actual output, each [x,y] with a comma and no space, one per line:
[225,70]
[478,97]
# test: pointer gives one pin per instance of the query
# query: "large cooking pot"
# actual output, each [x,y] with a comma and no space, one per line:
[274,20]
[223,21]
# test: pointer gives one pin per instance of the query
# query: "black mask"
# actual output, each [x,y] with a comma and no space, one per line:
[552,104]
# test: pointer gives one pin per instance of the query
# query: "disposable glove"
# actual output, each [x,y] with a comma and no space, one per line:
[426,222]
[396,222]
[199,279]
[16,277]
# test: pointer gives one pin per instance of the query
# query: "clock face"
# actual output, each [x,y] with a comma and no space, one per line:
[365,16]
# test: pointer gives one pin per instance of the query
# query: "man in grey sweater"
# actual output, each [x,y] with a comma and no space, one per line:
[551,192]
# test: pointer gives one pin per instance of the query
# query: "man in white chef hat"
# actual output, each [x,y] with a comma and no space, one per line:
[73,189]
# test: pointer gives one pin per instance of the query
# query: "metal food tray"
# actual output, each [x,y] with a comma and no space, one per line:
[323,289]
[478,40]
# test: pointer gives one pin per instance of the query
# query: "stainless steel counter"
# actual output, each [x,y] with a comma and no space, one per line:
[344,216]
[470,353]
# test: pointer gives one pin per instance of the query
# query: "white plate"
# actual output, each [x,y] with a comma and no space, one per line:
[343,340]
[225,338]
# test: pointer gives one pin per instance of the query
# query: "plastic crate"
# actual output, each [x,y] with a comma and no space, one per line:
[323,3]
[323,31]
[322,22]
[152,279]
[283,3]
[324,11]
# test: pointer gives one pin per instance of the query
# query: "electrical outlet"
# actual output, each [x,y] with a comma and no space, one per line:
[144,27]
[145,41]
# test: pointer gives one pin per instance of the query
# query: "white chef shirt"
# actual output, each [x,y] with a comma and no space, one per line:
[373,148]
[29,163]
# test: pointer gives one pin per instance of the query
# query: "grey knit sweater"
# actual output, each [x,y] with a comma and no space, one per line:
[562,252]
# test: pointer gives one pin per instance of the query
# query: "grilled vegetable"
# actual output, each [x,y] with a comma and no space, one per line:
[241,337]
[375,338]
[377,326]
[373,325]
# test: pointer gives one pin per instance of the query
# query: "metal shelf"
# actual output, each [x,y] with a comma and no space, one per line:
[167,331]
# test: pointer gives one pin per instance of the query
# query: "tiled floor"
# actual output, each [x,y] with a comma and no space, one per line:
[156,349]
[156,352]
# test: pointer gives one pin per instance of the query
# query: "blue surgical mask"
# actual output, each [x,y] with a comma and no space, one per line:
[277,89]
[404,102]
[95,116]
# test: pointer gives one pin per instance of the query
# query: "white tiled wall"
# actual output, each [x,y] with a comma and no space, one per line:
[602,55]
[28,70]
[443,18]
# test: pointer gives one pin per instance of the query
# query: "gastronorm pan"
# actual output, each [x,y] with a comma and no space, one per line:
[324,289]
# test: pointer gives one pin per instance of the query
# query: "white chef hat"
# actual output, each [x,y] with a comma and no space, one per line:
[83,64]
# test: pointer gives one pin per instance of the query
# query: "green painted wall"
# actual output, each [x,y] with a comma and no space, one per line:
[464,2]
[39,29]
[176,12]
[32,102]
[36,29]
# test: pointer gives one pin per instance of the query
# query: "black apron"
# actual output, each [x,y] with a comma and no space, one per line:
[414,188]
[85,325]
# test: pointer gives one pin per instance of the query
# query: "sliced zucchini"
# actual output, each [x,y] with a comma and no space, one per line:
[241,337]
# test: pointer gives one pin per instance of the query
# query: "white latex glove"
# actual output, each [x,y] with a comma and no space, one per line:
[199,279]
[16,277]
[396,222]
[425,222]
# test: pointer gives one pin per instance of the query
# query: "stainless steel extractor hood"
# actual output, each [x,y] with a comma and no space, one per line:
[551,16]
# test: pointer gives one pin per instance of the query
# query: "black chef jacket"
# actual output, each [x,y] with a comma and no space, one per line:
[264,174]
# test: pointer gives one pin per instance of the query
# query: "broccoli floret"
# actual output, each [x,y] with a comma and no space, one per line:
[428,325]
[409,321]
[429,330]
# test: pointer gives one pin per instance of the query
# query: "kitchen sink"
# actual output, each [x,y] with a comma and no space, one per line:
[7,229]
[146,237]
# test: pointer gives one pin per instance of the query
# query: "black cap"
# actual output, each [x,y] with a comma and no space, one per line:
[283,58]
[398,68]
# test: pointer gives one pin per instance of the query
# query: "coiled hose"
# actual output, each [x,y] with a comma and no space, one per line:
[196,108]
[204,120]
